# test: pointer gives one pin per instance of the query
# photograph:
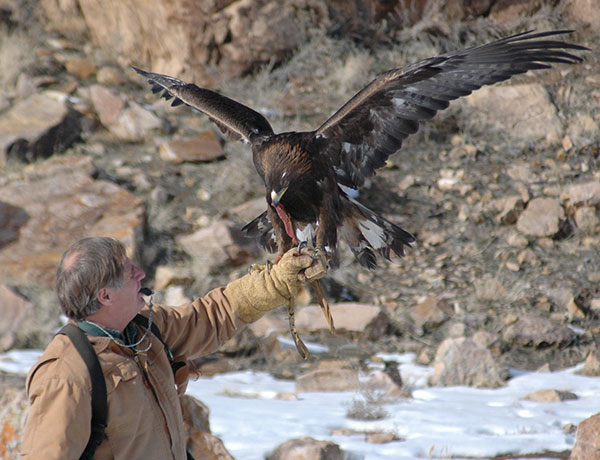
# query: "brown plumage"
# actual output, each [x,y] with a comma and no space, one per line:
[307,174]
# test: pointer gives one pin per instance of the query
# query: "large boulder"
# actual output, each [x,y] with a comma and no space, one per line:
[536,331]
[360,319]
[186,38]
[307,449]
[37,127]
[542,217]
[462,361]
[328,379]
[220,244]
[64,203]
[13,309]
[201,443]
[587,445]
[525,112]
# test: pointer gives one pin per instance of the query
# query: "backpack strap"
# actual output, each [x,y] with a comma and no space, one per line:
[99,397]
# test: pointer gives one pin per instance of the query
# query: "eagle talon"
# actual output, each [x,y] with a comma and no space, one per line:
[321,254]
[301,245]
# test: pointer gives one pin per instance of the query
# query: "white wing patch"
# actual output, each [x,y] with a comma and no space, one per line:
[349,191]
[373,233]
[306,234]
[399,102]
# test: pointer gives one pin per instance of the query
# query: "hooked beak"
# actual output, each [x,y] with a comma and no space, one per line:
[276,196]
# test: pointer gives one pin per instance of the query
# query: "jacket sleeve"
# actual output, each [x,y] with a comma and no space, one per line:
[58,422]
[200,327]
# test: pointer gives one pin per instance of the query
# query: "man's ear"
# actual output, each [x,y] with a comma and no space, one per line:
[104,296]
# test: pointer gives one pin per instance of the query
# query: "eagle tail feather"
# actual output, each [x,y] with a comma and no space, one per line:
[367,233]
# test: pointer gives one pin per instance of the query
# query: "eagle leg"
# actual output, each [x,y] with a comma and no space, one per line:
[268,263]
[323,303]
[302,350]
[321,253]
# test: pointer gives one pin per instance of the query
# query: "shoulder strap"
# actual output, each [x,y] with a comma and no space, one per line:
[142,321]
[99,398]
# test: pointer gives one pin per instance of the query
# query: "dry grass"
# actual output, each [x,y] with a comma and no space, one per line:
[15,55]
[493,288]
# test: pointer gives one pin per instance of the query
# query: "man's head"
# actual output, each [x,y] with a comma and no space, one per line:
[94,272]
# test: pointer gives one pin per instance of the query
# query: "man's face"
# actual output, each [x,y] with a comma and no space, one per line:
[128,298]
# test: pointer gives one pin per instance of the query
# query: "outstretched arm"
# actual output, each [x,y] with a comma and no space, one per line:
[202,326]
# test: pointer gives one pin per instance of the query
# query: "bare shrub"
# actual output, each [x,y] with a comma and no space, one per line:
[368,405]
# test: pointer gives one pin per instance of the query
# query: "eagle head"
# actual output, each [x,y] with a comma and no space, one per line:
[276,195]
[277,185]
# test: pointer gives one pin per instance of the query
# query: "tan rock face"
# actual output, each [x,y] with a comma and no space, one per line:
[63,203]
[201,442]
[234,35]
[204,146]
[430,312]
[186,38]
[349,317]
[463,362]
[586,193]
[533,331]
[307,449]
[525,110]
[328,379]
[219,245]
[550,395]
[13,308]
[587,445]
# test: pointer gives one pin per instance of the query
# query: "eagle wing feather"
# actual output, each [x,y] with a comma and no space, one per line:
[372,125]
[235,120]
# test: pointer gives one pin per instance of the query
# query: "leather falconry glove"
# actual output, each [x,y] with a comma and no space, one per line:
[262,290]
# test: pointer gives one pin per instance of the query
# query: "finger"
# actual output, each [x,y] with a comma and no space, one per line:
[316,271]
[302,261]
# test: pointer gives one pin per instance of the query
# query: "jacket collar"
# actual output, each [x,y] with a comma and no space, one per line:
[127,337]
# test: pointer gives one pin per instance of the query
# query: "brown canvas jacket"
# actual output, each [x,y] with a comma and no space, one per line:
[144,413]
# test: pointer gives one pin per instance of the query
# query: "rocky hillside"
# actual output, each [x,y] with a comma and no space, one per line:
[501,190]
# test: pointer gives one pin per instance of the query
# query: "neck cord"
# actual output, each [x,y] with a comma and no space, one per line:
[133,346]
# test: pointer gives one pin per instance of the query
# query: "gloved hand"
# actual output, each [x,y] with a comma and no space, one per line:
[262,290]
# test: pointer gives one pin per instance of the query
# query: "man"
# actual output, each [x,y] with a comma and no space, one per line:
[98,288]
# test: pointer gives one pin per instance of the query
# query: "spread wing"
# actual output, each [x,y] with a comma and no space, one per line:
[234,119]
[371,126]
[262,228]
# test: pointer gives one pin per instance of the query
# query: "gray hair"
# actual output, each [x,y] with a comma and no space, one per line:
[87,266]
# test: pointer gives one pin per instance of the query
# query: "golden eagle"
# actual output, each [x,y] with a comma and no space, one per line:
[307,174]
